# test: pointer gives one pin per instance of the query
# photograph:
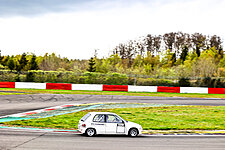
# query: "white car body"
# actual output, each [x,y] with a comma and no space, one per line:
[107,123]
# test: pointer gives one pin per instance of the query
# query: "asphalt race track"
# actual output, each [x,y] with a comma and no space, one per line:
[26,140]
[11,104]
[23,140]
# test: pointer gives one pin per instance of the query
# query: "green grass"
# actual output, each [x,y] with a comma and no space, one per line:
[158,94]
[154,118]
[8,93]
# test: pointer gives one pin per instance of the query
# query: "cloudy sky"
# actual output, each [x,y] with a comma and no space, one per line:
[75,28]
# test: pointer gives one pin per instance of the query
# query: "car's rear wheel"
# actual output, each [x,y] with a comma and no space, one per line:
[133,132]
[90,132]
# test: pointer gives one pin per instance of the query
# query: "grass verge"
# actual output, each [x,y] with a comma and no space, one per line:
[157,94]
[14,93]
[151,118]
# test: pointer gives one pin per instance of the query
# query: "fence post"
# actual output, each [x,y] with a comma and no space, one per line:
[135,80]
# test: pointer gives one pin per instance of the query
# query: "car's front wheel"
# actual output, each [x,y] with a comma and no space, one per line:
[90,132]
[133,132]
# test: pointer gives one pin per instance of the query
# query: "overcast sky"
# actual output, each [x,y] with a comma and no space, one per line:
[75,28]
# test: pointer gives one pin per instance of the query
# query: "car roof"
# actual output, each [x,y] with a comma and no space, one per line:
[93,113]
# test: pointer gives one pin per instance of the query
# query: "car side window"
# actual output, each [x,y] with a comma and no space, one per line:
[113,119]
[99,118]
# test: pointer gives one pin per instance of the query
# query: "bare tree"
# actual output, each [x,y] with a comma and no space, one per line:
[149,43]
[169,39]
[157,43]
[199,42]
[215,41]
[179,42]
[140,48]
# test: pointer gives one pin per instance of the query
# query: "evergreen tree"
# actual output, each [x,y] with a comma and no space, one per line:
[22,62]
[184,53]
[33,63]
[1,58]
[11,64]
[92,67]
[5,60]
[198,52]
[173,59]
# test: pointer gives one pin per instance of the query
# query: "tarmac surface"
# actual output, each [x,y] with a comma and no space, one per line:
[23,140]
[12,104]
[19,139]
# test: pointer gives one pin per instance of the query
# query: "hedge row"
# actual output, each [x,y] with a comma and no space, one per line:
[64,77]
[110,78]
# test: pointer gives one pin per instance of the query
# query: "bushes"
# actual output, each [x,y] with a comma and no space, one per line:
[116,78]
[211,82]
[99,78]
[64,77]
[109,78]
[155,82]
[9,76]
[184,82]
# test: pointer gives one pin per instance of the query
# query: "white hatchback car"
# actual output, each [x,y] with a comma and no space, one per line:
[107,123]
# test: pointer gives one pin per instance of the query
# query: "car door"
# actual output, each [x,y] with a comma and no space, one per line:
[99,123]
[114,124]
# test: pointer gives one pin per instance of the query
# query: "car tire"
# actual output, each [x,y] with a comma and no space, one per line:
[133,132]
[90,132]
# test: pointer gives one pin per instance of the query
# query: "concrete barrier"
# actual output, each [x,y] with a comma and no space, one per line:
[59,86]
[168,89]
[193,90]
[115,88]
[29,85]
[216,90]
[94,87]
[100,87]
[132,88]
[7,84]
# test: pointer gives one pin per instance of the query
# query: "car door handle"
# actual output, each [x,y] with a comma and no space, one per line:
[120,125]
[99,124]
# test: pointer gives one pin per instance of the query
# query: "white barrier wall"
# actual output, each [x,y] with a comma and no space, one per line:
[193,90]
[29,85]
[132,88]
[94,87]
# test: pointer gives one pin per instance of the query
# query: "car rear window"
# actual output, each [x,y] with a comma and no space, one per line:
[99,118]
[85,117]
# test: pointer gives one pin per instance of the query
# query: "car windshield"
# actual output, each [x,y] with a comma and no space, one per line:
[85,117]
[121,118]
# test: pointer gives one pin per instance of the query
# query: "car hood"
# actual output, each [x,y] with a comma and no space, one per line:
[133,124]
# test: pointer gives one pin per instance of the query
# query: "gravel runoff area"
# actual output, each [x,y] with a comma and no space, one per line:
[64,109]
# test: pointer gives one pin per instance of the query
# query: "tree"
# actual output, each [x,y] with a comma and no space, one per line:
[199,41]
[184,53]
[179,42]
[1,58]
[92,67]
[215,41]
[140,48]
[157,44]
[169,39]
[5,60]
[149,43]
[22,62]
[11,64]
[205,65]
[114,59]
[169,59]
[50,62]
[33,63]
